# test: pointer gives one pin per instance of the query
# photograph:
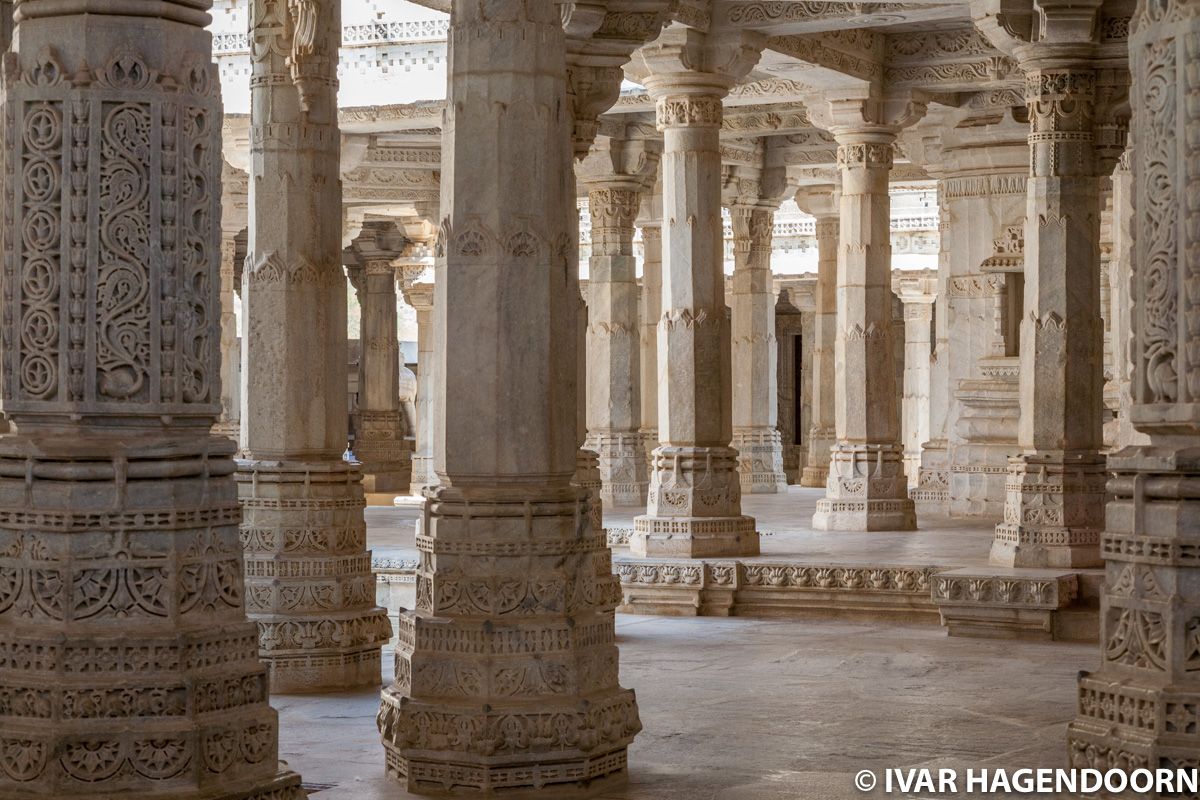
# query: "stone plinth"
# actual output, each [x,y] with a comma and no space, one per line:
[308,579]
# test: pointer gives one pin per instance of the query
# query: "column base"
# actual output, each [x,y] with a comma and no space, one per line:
[816,471]
[422,475]
[587,477]
[1054,512]
[760,460]
[383,451]
[285,785]
[622,466]
[230,430]
[932,492]
[502,760]
[506,669]
[693,537]
[866,491]
[309,584]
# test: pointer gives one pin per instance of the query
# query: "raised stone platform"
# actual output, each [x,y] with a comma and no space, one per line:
[936,575]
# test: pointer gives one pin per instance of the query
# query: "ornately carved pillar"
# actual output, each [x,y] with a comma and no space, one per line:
[1053,513]
[1139,710]
[866,489]
[308,574]
[506,670]
[650,309]
[694,506]
[128,667]
[932,491]
[754,352]
[823,205]
[381,445]
[420,297]
[614,376]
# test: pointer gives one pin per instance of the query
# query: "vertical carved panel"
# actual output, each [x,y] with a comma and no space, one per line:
[113,310]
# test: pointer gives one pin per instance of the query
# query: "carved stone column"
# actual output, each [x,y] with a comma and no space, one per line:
[1138,711]
[234,187]
[1053,514]
[931,494]
[1122,299]
[651,303]
[918,299]
[823,205]
[127,663]
[308,574]
[381,445]
[615,173]
[867,489]
[694,506]
[754,351]
[506,670]
[420,297]
[228,423]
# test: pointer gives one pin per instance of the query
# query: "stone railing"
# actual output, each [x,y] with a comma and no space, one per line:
[369,35]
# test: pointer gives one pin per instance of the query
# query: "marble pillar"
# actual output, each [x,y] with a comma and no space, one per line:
[1053,512]
[866,488]
[982,193]
[918,352]
[1122,300]
[420,297]
[381,444]
[308,573]
[931,494]
[128,667]
[1139,709]
[506,669]
[823,205]
[694,505]
[754,353]
[228,423]
[650,307]
[614,403]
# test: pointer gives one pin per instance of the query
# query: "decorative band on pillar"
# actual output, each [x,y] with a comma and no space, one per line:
[688,111]
[865,154]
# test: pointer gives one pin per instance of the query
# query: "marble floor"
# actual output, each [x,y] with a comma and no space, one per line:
[785,522]
[745,709]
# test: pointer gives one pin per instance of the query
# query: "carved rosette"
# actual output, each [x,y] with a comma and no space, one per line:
[127,664]
[1140,708]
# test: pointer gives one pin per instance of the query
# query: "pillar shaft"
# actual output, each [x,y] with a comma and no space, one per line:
[1139,709]
[380,444]
[694,505]
[866,489]
[125,647]
[651,305]
[821,435]
[506,669]
[918,344]
[228,423]
[614,404]
[420,297]
[931,493]
[1056,486]
[754,354]
[309,583]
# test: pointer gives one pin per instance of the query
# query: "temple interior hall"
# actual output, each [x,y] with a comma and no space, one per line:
[618,399]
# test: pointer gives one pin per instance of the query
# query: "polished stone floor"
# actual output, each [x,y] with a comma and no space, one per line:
[785,520]
[743,709]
